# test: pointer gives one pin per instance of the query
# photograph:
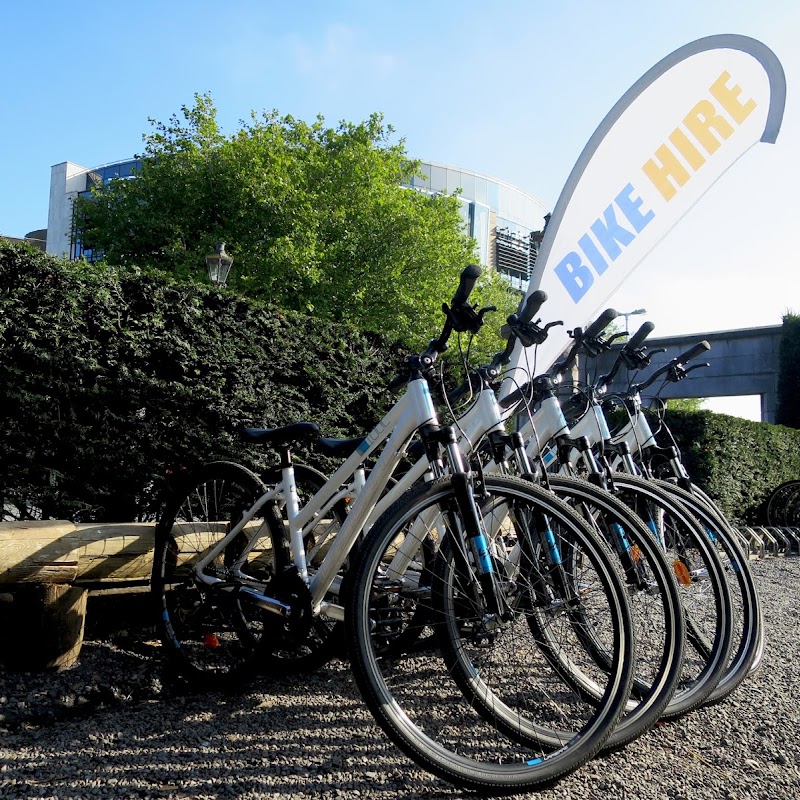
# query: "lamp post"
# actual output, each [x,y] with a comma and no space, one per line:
[219,265]
[632,314]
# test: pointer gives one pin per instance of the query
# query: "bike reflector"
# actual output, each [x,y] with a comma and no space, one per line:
[682,572]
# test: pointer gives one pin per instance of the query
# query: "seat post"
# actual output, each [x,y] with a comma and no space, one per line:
[292,509]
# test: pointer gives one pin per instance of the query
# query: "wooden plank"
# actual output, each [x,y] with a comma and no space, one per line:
[37,552]
[114,551]
[60,552]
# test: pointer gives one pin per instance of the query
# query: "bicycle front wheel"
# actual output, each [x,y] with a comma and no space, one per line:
[496,716]
[700,579]
[748,629]
[653,596]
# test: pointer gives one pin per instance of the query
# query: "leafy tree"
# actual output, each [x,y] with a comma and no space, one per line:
[317,218]
[686,404]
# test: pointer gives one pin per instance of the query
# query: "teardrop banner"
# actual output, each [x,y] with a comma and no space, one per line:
[660,148]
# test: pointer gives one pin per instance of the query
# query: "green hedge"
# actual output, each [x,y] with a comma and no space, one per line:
[737,461]
[110,381]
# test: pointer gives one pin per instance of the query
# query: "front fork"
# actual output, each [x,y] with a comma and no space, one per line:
[466,522]
[539,546]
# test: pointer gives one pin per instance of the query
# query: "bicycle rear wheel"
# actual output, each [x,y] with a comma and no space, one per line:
[496,716]
[210,634]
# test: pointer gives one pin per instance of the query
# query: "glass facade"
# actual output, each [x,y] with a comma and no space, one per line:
[95,178]
[505,221]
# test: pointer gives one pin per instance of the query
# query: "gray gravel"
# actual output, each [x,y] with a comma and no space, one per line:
[115,727]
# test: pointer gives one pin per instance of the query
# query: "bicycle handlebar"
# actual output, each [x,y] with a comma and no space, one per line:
[459,316]
[469,275]
[636,340]
[587,340]
[517,322]
[601,323]
[532,306]
[675,366]
[697,350]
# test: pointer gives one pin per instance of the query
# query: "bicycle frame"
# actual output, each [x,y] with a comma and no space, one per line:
[413,410]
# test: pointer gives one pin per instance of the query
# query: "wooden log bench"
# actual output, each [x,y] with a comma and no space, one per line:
[46,571]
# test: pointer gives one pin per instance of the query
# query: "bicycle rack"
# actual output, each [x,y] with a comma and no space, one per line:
[767,539]
[741,539]
[781,539]
[754,546]
[793,537]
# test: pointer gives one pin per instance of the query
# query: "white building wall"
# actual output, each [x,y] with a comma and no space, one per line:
[66,181]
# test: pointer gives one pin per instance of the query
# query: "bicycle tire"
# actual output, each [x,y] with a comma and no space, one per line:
[656,608]
[210,637]
[701,582]
[420,705]
[748,630]
[781,502]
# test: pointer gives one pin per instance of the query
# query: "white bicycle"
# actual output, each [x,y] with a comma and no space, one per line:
[236,590]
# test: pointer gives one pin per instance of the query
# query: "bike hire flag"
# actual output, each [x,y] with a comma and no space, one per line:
[661,147]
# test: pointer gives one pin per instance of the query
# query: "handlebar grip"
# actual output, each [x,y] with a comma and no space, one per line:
[601,323]
[693,352]
[532,305]
[469,275]
[513,398]
[636,340]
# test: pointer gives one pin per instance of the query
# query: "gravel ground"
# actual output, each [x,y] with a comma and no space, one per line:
[114,727]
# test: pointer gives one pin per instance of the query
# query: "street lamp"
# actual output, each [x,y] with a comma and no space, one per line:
[219,265]
[632,314]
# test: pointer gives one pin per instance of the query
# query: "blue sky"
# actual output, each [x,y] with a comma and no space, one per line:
[510,89]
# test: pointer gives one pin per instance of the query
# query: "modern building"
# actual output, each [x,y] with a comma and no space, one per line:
[504,220]
[67,181]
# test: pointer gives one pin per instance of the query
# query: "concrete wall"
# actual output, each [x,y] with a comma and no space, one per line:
[66,181]
[742,361]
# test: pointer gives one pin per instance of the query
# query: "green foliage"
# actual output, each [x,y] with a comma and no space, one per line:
[737,461]
[788,412]
[315,217]
[686,404]
[110,377]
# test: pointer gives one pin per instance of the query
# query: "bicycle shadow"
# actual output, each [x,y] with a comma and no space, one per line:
[293,737]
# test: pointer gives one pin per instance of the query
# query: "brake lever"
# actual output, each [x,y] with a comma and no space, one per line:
[687,370]
[463,318]
[635,359]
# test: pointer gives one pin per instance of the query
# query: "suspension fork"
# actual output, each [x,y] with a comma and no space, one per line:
[467,524]
[538,540]
[613,532]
